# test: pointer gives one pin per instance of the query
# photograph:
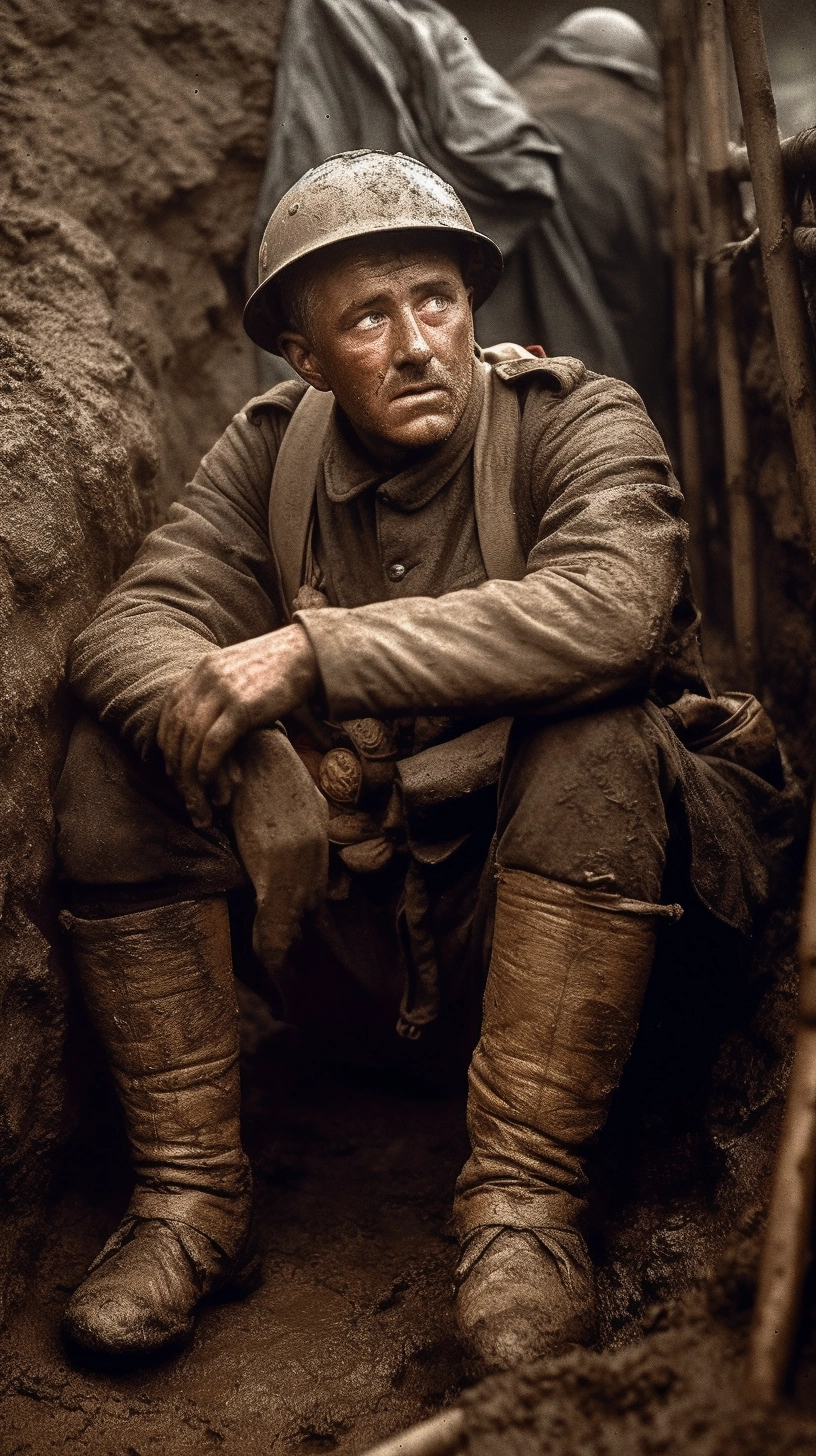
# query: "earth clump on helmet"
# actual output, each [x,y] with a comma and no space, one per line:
[353,195]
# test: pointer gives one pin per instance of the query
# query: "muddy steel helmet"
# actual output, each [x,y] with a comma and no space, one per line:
[608,39]
[357,195]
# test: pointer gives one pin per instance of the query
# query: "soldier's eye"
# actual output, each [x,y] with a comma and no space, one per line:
[437,305]
[371,321]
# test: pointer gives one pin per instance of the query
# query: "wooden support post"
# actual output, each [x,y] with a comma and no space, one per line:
[673,16]
[713,78]
[793,336]
[442,1435]
[787,1243]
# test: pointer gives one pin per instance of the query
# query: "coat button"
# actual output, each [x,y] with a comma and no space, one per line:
[395,573]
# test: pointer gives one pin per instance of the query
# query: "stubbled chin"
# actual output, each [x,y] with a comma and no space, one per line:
[422,439]
[420,426]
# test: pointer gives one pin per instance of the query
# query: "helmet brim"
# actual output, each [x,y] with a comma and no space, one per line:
[483,263]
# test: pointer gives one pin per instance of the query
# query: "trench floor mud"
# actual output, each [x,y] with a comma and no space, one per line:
[349,1337]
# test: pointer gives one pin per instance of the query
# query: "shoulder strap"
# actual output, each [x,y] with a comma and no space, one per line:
[292,496]
[494,470]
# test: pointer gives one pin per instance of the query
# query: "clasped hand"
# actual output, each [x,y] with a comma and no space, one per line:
[227,694]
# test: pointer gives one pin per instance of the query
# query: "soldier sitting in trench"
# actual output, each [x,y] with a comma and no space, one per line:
[415,656]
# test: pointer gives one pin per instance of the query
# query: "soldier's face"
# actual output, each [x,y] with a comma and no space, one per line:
[391,334]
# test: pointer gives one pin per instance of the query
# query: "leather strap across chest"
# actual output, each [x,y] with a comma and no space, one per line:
[294,484]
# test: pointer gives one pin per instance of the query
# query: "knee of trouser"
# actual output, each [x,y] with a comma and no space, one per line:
[122,822]
[581,799]
[591,750]
[107,827]
[88,805]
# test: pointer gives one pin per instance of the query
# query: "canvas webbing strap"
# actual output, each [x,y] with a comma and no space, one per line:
[292,497]
[494,469]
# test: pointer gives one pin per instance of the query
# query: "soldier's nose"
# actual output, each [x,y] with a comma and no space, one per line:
[412,346]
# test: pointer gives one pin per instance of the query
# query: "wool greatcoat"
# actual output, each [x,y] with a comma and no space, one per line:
[593,654]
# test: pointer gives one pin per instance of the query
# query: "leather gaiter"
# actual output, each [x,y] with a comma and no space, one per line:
[567,975]
[159,988]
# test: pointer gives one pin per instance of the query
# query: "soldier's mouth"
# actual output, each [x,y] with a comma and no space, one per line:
[415,390]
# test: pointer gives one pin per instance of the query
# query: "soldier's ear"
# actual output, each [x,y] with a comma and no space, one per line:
[299,353]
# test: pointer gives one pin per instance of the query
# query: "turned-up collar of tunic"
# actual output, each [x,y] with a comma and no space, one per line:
[348,470]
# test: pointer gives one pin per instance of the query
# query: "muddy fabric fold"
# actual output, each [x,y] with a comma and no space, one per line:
[280,822]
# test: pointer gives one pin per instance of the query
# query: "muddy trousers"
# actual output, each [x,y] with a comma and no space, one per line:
[559,886]
[581,800]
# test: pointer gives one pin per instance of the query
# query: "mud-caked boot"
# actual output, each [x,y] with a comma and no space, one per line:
[532,1293]
[159,989]
[567,975]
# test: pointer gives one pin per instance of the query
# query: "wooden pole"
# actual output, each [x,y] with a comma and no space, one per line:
[786,1249]
[793,337]
[673,17]
[442,1435]
[714,128]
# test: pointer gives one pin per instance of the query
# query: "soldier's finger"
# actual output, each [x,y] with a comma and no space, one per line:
[177,717]
[168,736]
[182,706]
[222,786]
[219,739]
[195,728]
[198,805]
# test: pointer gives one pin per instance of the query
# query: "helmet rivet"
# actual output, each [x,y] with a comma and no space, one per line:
[293,209]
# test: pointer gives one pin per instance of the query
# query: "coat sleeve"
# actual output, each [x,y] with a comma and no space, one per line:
[589,619]
[205,579]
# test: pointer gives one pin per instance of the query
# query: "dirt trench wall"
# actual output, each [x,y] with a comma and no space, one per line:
[132,138]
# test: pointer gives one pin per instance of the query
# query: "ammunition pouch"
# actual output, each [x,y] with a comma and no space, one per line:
[733,727]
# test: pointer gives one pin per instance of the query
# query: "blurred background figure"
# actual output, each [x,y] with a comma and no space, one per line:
[594,84]
[406,77]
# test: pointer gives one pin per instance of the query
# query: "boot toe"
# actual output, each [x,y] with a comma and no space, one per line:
[520,1301]
[138,1301]
[122,1323]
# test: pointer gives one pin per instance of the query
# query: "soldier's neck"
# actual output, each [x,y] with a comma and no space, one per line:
[388,455]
